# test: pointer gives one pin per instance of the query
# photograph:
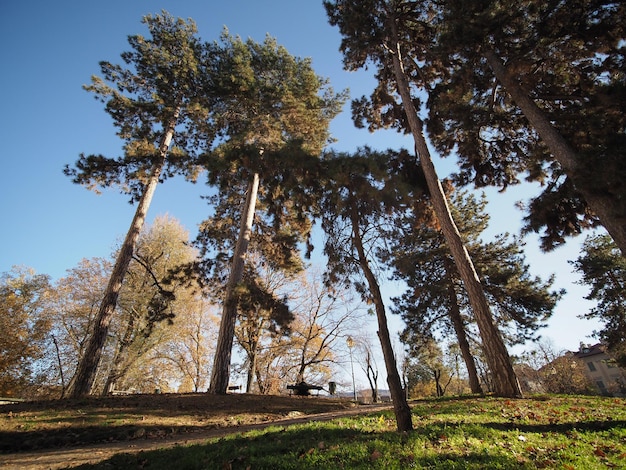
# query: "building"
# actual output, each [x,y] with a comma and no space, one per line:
[601,370]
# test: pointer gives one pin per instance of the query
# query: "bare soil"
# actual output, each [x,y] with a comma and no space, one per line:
[65,433]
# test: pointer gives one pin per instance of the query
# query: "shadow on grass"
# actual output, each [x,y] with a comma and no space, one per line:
[21,441]
[304,448]
[559,428]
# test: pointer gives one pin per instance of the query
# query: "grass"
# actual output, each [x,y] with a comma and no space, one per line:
[62,423]
[560,432]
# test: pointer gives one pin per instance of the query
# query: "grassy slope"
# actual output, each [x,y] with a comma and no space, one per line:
[63,423]
[565,432]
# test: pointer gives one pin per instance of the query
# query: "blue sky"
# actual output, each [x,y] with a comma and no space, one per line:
[48,50]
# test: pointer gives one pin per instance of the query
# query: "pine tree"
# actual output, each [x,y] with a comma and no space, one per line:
[604,271]
[360,192]
[393,28]
[435,299]
[537,88]
[274,116]
[157,94]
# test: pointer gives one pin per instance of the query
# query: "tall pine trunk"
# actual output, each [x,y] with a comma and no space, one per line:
[88,365]
[602,203]
[220,374]
[400,406]
[504,378]
[459,329]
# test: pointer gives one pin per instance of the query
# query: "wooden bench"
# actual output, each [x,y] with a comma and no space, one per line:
[303,389]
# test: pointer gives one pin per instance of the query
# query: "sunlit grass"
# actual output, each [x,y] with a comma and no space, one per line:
[464,433]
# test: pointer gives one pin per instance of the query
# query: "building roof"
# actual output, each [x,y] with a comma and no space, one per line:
[587,350]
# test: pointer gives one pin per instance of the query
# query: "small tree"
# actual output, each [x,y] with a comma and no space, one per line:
[322,316]
[555,371]
[369,366]
[263,311]
[183,359]
[603,269]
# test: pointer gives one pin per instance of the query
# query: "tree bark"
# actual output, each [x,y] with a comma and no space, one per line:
[220,374]
[88,365]
[400,406]
[253,354]
[601,203]
[505,380]
[461,335]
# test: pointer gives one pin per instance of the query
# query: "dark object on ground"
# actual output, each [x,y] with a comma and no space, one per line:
[303,388]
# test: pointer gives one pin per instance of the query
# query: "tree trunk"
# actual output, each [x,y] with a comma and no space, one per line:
[115,374]
[372,377]
[438,387]
[220,374]
[252,358]
[60,364]
[459,329]
[400,405]
[505,380]
[251,372]
[603,204]
[88,365]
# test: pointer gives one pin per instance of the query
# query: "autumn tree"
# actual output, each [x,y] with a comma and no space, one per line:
[536,89]
[187,353]
[554,371]
[151,301]
[300,346]
[384,32]
[73,302]
[273,116]
[322,316]
[603,269]
[417,377]
[435,301]
[25,327]
[161,90]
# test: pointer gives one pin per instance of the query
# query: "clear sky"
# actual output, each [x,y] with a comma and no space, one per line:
[50,49]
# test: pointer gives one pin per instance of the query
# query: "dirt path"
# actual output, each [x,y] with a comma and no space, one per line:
[71,457]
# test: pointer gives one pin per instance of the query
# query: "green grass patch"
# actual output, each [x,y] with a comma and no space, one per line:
[561,432]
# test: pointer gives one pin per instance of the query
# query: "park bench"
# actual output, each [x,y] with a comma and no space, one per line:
[303,389]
